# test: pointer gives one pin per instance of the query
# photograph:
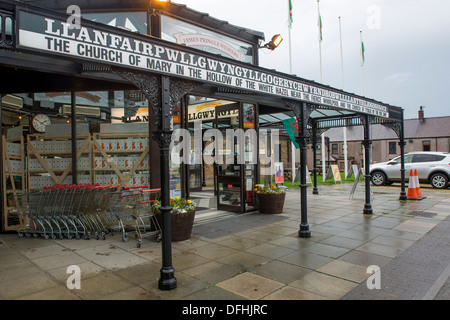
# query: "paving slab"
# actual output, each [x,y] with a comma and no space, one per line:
[254,256]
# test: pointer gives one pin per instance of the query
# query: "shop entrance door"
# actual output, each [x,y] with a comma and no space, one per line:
[227,171]
[235,174]
[194,168]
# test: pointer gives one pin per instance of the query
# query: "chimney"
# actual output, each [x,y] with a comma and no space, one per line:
[421,118]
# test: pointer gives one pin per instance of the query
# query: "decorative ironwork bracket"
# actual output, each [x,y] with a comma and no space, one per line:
[302,115]
[296,107]
[395,126]
[151,87]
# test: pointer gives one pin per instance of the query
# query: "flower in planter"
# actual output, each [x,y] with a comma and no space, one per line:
[179,205]
[274,189]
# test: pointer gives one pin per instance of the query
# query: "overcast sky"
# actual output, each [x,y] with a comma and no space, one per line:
[407,45]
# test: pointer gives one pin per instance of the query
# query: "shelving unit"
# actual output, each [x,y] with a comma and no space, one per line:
[13,182]
[50,160]
[121,159]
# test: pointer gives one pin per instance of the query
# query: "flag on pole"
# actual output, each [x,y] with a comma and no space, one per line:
[363,50]
[291,20]
[319,23]
[291,126]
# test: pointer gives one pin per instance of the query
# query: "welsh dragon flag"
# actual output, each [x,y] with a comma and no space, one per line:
[291,20]
[319,23]
[362,53]
[291,126]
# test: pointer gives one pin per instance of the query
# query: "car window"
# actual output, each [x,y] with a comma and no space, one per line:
[408,159]
[425,158]
[439,158]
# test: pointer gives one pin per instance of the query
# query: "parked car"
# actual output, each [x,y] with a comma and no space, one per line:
[432,168]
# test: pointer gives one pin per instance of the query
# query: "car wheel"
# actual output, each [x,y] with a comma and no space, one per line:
[378,178]
[439,181]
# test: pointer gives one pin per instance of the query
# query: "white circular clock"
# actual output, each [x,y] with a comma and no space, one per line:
[39,122]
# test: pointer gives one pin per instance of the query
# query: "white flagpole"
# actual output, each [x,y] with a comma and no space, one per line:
[362,65]
[344,129]
[290,72]
[321,81]
[290,45]
[320,42]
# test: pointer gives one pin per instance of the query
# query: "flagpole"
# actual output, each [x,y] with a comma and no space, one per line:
[321,80]
[342,55]
[290,72]
[344,129]
[320,42]
[362,64]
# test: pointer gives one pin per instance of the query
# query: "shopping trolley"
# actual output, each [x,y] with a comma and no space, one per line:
[39,208]
[132,210]
[146,211]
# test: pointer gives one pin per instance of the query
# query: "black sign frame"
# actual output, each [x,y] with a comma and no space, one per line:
[166,58]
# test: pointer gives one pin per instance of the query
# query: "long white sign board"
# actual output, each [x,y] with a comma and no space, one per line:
[116,47]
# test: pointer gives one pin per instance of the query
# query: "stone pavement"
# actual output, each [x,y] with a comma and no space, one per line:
[254,256]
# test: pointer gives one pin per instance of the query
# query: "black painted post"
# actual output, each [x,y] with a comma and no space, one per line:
[304,226]
[402,144]
[73,116]
[2,211]
[367,143]
[167,280]
[314,147]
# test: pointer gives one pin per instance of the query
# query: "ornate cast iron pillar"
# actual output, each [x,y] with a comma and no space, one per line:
[314,148]
[402,144]
[163,93]
[302,111]
[399,128]
[367,143]
[167,280]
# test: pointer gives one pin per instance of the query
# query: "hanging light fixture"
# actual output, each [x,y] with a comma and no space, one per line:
[274,43]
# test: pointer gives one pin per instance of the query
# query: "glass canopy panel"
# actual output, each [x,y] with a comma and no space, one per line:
[132,21]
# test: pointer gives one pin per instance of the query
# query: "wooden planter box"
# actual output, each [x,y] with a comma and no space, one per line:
[271,203]
[181,225]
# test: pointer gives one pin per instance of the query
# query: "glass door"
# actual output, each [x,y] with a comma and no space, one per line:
[228,171]
[250,156]
[194,168]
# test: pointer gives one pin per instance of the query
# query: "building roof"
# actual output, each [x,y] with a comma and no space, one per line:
[438,127]
[136,5]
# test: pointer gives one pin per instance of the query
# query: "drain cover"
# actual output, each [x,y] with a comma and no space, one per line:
[423,214]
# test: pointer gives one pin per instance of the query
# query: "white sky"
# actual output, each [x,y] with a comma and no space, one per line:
[407,45]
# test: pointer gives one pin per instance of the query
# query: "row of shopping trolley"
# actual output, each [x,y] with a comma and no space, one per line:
[89,211]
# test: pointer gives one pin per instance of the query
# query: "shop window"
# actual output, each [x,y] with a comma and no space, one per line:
[426,145]
[392,148]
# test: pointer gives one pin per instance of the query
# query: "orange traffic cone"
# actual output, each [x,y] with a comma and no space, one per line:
[416,176]
[412,191]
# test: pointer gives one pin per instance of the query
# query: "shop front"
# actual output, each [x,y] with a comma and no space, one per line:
[114,97]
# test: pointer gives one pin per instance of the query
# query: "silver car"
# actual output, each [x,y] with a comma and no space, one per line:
[432,167]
